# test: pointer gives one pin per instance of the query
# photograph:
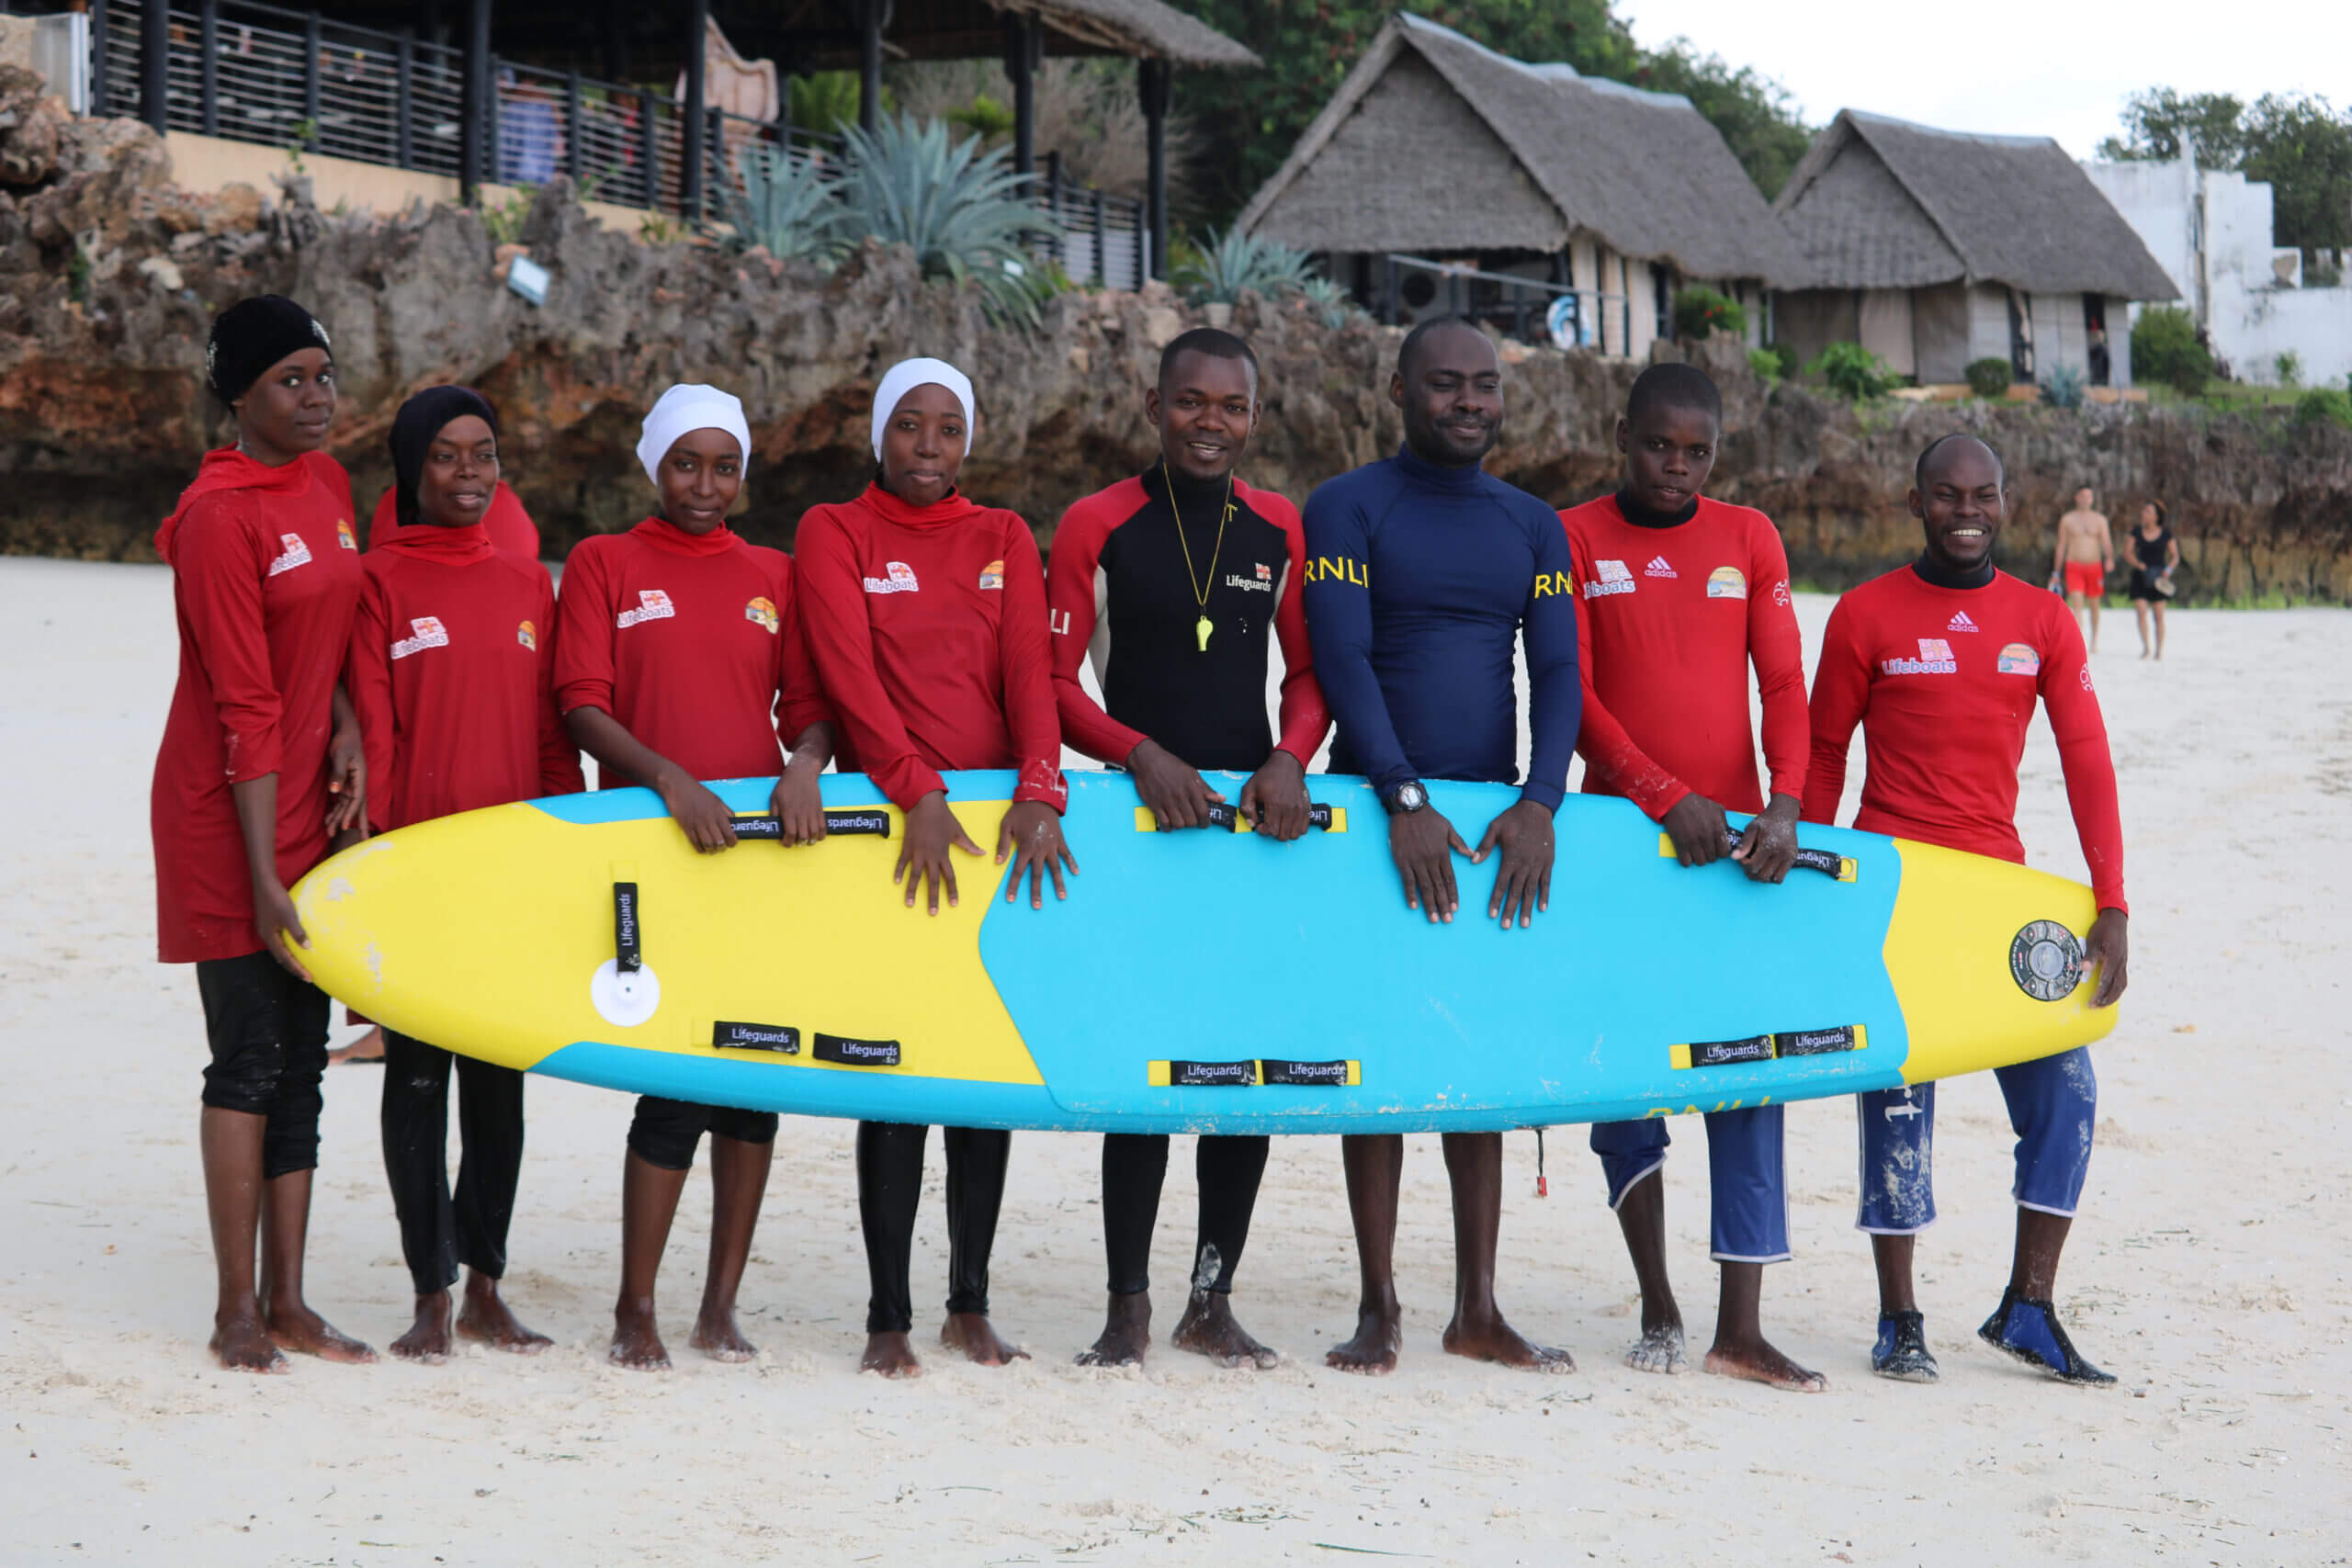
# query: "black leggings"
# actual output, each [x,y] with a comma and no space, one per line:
[889,1187]
[1134,1164]
[437,1233]
[268,1032]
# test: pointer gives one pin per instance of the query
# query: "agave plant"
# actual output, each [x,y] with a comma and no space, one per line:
[1334,304]
[2065,387]
[788,205]
[961,212]
[1233,261]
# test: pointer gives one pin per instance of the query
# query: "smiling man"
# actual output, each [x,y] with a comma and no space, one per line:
[1422,572]
[1680,595]
[1176,584]
[1942,663]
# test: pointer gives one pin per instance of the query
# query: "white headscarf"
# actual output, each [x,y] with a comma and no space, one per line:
[904,377]
[685,408]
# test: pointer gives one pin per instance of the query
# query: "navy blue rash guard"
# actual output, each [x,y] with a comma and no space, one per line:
[1418,579]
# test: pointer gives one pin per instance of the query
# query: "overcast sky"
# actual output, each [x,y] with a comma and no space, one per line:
[2059,68]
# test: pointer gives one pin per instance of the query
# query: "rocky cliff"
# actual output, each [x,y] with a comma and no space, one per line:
[109,275]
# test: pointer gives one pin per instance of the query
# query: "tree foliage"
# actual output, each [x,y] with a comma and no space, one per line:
[2298,143]
[1250,120]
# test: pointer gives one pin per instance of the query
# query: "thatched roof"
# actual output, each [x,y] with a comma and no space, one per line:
[1880,203]
[1437,142]
[1138,27]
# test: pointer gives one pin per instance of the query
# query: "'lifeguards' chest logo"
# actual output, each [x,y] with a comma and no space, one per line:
[1935,659]
[992,575]
[652,605]
[2020,659]
[344,535]
[900,579]
[1727,582]
[1337,568]
[291,552]
[1609,577]
[528,636]
[761,612]
[1262,582]
[427,632]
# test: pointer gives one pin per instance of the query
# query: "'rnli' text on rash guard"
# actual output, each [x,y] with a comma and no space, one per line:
[1418,578]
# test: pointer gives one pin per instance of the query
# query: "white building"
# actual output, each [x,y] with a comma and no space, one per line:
[2210,231]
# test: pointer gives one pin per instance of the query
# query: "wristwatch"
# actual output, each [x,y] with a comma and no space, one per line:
[1405,798]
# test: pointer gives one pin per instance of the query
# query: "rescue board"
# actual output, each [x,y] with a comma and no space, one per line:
[1207,980]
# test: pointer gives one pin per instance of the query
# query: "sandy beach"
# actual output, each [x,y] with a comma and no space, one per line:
[2208,1270]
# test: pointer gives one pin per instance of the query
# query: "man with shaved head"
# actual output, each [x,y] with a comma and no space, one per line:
[1942,663]
[1422,572]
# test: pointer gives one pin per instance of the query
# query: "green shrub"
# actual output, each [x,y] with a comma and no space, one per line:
[1702,312]
[2329,404]
[825,101]
[1787,357]
[784,204]
[2065,386]
[1233,261]
[1764,364]
[1852,372]
[2288,368]
[957,208]
[1988,377]
[2164,348]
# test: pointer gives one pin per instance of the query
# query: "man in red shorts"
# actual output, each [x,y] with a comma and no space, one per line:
[2085,555]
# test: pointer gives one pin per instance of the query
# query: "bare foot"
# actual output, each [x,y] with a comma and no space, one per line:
[240,1343]
[1207,1328]
[973,1334]
[1492,1339]
[1127,1333]
[717,1337]
[1660,1349]
[1757,1361]
[427,1340]
[1380,1334]
[295,1328]
[636,1341]
[891,1354]
[369,1048]
[487,1319]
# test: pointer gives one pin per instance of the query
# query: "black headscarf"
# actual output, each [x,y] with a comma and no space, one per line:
[254,335]
[421,419]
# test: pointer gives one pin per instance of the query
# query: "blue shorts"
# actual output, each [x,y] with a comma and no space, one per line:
[2053,1105]
[1749,1222]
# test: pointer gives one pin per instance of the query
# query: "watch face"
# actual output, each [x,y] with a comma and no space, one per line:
[1411,797]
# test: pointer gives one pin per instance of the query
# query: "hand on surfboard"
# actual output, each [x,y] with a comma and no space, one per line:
[932,829]
[798,804]
[700,815]
[2108,950]
[1173,788]
[1767,846]
[1275,800]
[1524,879]
[278,926]
[346,781]
[1032,834]
[1696,825]
[1423,844]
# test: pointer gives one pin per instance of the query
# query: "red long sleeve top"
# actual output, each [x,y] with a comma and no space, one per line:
[451,675]
[1670,619]
[1943,683]
[508,521]
[266,577]
[1120,588]
[927,627]
[688,642]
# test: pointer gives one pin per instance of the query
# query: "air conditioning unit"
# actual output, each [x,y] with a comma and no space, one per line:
[61,52]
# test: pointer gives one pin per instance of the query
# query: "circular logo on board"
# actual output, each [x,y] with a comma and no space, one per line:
[2046,960]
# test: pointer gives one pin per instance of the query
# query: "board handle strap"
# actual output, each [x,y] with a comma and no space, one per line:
[1837,867]
[847,821]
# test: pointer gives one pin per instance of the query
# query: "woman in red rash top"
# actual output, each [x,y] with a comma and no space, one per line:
[451,673]
[676,660]
[260,767]
[925,617]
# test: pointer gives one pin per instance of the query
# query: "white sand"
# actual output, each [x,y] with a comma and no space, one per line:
[2208,1270]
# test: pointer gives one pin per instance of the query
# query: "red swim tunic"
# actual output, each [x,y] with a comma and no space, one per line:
[927,625]
[266,577]
[688,643]
[1943,681]
[451,657]
[1123,589]
[1669,620]
[509,523]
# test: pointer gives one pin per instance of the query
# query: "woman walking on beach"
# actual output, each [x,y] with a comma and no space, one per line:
[260,767]
[2156,555]
[675,662]
[925,615]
